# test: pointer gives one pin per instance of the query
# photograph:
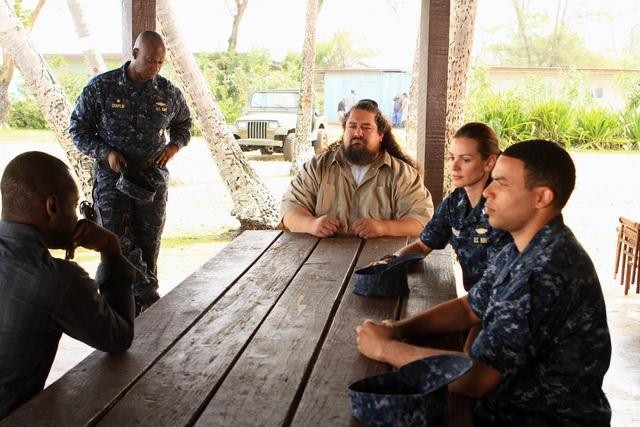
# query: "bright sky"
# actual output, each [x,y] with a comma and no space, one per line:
[278,25]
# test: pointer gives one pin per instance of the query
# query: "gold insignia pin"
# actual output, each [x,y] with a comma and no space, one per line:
[455,232]
[481,230]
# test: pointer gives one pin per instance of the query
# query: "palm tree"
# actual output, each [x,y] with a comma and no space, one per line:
[8,66]
[463,14]
[460,42]
[302,148]
[48,94]
[91,56]
[254,205]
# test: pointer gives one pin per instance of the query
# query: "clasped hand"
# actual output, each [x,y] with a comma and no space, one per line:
[372,338]
[91,236]
[117,160]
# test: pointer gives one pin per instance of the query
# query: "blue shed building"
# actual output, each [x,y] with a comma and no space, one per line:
[380,85]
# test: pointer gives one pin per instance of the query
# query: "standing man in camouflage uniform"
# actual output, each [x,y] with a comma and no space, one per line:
[120,120]
[544,346]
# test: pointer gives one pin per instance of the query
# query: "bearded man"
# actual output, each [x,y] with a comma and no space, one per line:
[367,187]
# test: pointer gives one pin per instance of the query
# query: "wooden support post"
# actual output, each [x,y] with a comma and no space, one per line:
[137,16]
[432,108]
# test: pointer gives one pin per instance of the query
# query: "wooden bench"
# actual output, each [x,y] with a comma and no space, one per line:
[262,334]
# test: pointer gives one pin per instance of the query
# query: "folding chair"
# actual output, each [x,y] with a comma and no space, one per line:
[628,254]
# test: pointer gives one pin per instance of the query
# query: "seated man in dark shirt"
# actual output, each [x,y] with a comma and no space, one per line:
[41,296]
[544,346]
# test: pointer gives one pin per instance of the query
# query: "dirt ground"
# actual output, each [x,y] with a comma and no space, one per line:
[199,225]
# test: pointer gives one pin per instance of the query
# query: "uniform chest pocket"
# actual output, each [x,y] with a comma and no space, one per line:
[159,114]
[479,236]
[117,113]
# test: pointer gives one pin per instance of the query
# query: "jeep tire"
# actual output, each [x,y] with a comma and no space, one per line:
[287,147]
[321,142]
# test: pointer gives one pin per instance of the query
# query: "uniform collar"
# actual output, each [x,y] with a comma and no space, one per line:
[534,250]
[126,80]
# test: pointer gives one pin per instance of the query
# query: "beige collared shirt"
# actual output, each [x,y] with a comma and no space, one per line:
[390,190]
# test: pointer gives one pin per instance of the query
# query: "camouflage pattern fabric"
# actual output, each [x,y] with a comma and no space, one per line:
[469,232]
[544,328]
[414,395]
[115,113]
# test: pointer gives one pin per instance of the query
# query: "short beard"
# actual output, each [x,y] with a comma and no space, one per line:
[359,155]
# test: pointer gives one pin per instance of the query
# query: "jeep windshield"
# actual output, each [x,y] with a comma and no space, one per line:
[275,100]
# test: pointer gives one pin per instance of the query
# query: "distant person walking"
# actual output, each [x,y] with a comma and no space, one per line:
[396,117]
[350,100]
[404,112]
[341,109]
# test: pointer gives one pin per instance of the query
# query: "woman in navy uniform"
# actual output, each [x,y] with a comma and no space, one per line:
[460,220]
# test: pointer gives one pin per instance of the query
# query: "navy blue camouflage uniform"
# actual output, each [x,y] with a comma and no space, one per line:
[115,113]
[544,328]
[469,232]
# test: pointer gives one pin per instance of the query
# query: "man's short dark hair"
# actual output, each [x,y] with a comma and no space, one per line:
[31,177]
[546,164]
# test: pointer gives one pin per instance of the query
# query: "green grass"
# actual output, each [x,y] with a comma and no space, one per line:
[186,240]
[26,135]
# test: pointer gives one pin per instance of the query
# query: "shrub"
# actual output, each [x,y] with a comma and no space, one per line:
[552,120]
[26,114]
[597,128]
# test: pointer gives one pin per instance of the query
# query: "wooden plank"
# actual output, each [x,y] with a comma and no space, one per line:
[94,383]
[173,391]
[324,400]
[263,383]
[432,282]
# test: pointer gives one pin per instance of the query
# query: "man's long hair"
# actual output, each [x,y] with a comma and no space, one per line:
[389,143]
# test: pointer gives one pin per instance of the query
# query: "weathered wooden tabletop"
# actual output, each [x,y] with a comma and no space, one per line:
[262,334]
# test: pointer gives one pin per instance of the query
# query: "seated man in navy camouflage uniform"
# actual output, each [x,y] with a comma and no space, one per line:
[544,346]
[120,120]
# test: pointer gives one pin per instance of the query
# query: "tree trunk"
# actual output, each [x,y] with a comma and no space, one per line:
[254,205]
[91,56]
[241,6]
[48,94]
[6,74]
[302,150]
[463,17]
[521,15]
[411,121]
[8,65]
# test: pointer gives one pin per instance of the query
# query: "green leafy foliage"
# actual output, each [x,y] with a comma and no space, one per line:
[232,76]
[565,113]
[596,128]
[26,114]
[552,120]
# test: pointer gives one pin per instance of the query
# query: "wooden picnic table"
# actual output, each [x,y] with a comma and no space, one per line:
[262,334]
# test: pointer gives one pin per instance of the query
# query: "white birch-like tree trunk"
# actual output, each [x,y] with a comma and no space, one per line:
[239,6]
[6,70]
[93,59]
[411,121]
[48,94]
[463,17]
[302,149]
[254,205]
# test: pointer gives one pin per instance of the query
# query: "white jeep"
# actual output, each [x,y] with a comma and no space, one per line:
[270,123]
